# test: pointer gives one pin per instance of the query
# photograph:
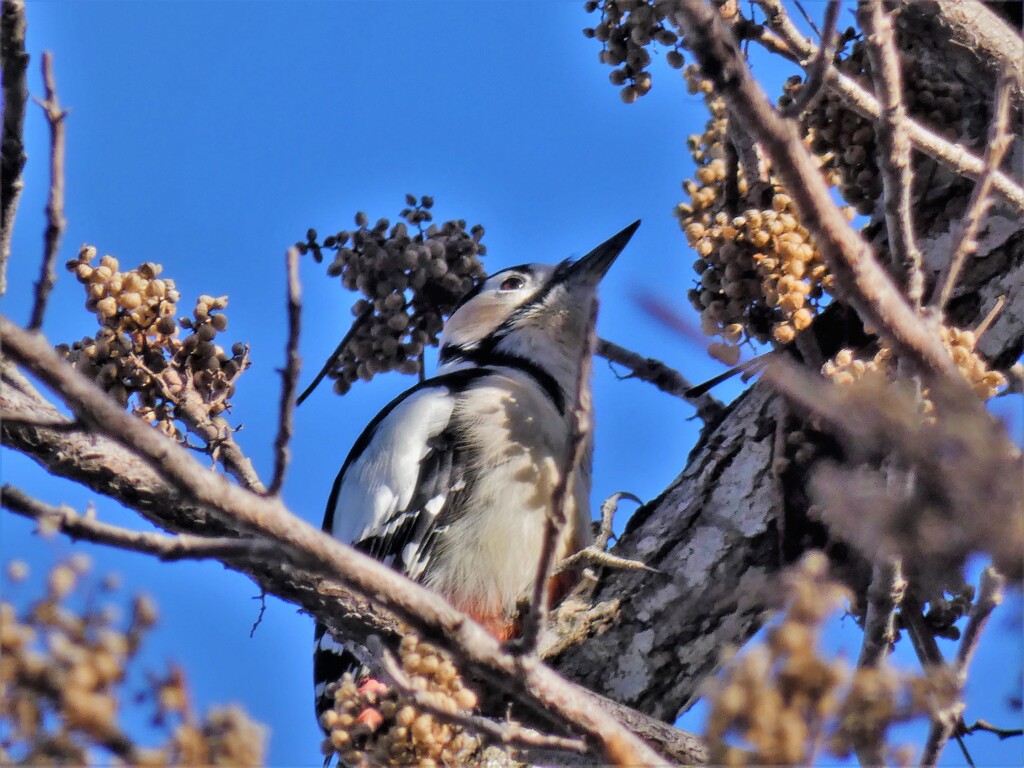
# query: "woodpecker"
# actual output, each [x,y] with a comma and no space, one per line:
[450,484]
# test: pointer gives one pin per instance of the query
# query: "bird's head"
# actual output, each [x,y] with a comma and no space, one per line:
[537,313]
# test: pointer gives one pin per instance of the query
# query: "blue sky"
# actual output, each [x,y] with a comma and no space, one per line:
[209,136]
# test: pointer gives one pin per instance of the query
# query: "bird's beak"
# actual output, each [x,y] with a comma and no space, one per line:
[591,268]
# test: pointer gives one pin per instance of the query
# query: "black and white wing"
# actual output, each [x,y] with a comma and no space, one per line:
[391,499]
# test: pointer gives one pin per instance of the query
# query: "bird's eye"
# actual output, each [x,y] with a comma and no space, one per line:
[512,283]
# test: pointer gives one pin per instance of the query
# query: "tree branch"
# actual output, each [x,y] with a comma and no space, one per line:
[884,596]
[955,156]
[55,222]
[815,69]
[946,723]
[86,528]
[305,546]
[964,244]
[894,156]
[709,409]
[290,374]
[859,277]
[326,368]
[15,96]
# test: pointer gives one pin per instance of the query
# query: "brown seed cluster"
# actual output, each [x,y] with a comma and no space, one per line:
[848,139]
[137,355]
[760,275]
[774,694]
[626,29]
[411,276]
[846,368]
[408,735]
[64,666]
[779,699]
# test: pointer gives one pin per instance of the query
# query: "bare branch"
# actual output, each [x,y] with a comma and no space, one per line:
[666,379]
[15,89]
[864,284]
[947,722]
[894,146]
[55,222]
[990,596]
[815,69]
[555,522]
[986,322]
[884,596]
[215,431]
[86,528]
[955,156]
[356,325]
[964,244]
[290,374]
[1002,733]
[426,612]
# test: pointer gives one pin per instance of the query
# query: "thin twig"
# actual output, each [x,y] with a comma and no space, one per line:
[807,18]
[14,63]
[215,431]
[534,684]
[557,517]
[949,721]
[55,222]
[508,733]
[964,243]
[333,358]
[290,374]
[814,71]
[665,378]
[987,727]
[989,318]
[990,596]
[85,528]
[856,97]
[858,275]
[894,146]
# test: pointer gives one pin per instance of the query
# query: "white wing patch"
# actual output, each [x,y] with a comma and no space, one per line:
[383,479]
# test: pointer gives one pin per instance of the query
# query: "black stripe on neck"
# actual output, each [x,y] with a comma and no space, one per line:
[488,356]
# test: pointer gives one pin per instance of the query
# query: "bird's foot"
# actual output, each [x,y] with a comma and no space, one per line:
[597,553]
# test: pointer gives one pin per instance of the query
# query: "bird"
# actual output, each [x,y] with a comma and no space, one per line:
[451,483]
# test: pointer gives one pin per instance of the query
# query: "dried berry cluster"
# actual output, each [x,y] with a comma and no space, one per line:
[63,672]
[845,367]
[137,351]
[411,279]
[778,699]
[760,275]
[625,30]
[407,735]
[848,139]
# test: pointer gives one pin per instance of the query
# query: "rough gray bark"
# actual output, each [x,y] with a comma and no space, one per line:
[714,538]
